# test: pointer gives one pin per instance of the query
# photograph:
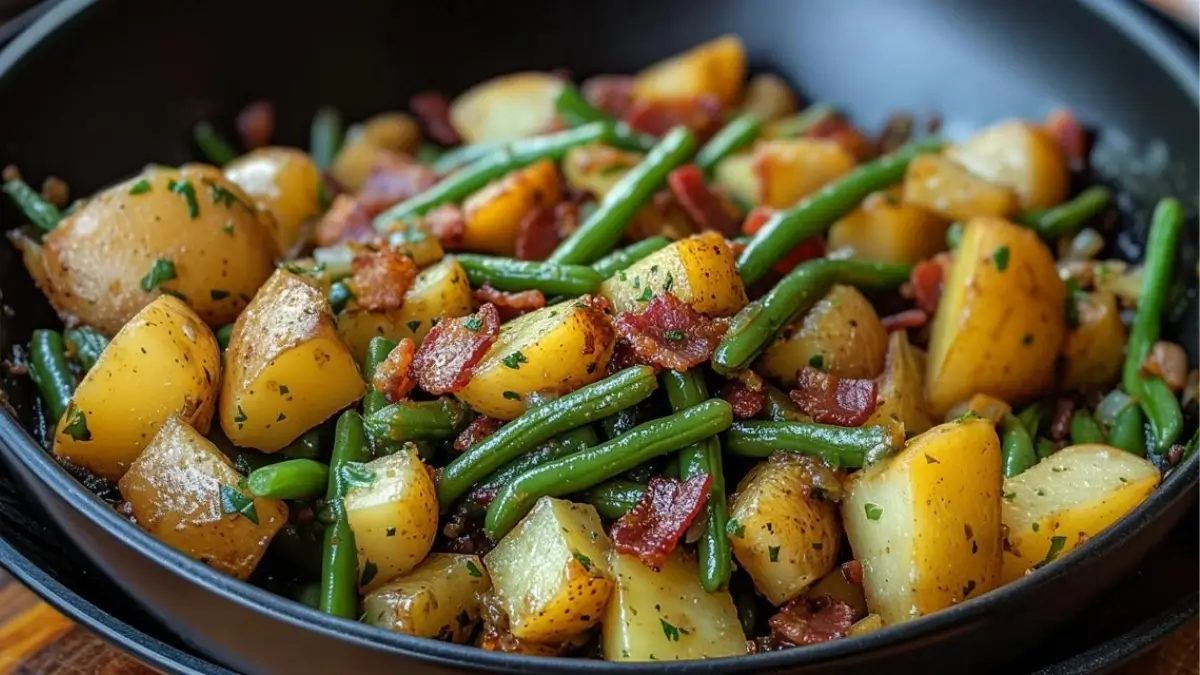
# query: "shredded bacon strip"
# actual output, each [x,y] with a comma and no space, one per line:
[809,249]
[746,402]
[543,228]
[926,281]
[896,132]
[708,209]
[909,318]
[393,377]
[652,528]
[448,223]
[479,429]
[446,359]
[829,399]
[511,305]
[394,177]
[256,123]
[836,128]
[434,111]
[1060,421]
[346,220]
[808,621]
[611,93]
[670,334]
[381,279]
[701,114]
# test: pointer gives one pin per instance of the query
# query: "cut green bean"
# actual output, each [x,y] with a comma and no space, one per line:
[758,323]
[377,351]
[509,274]
[38,210]
[325,137]
[623,258]
[1031,418]
[50,373]
[618,423]
[87,344]
[223,335]
[1016,448]
[574,110]
[848,447]
[737,134]
[614,498]
[1193,444]
[595,465]
[779,407]
[802,122]
[1084,429]
[1043,448]
[403,421]
[290,479]
[568,443]
[339,559]
[815,213]
[538,425]
[213,146]
[601,232]
[1067,218]
[308,446]
[456,158]
[1128,431]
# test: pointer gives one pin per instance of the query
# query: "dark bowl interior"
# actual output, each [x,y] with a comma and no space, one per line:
[99,88]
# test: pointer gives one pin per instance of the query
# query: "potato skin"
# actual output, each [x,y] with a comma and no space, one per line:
[901,398]
[841,335]
[96,258]
[717,67]
[493,215]
[285,182]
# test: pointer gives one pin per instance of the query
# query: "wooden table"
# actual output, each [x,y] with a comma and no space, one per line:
[36,640]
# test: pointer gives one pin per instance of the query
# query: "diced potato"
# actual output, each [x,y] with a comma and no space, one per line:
[783,171]
[769,97]
[439,599]
[901,398]
[391,131]
[185,492]
[949,190]
[717,67]
[165,361]
[660,217]
[988,407]
[841,335]
[284,181]
[837,586]
[1053,507]
[737,175]
[494,214]
[415,241]
[868,624]
[508,107]
[1000,322]
[595,168]
[564,347]
[441,291]
[787,536]
[700,270]
[286,369]
[885,229]
[925,524]
[1019,156]
[1094,349]
[551,573]
[667,615]
[394,515]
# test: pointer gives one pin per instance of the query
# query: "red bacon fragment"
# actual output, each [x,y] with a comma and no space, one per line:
[701,114]
[479,429]
[909,318]
[543,228]
[448,223]
[837,128]
[708,209]
[809,621]
[446,359]
[346,220]
[394,177]
[746,402]
[1069,134]
[511,305]
[611,93]
[925,282]
[381,278]
[668,333]
[829,399]
[434,112]
[256,124]
[653,526]
[393,378]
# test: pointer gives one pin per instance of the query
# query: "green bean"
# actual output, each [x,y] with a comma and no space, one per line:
[290,479]
[49,371]
[575,111]
[1031,417]
[1084,429]
[595,465]
[1190,449]
[614,498]
[815,213]
[1157,401]
[802,122]
[428,154]
[849,447]
[779,407]
[435,420]
[325,137]
[1128,431]
[618,423]
[684,391]
[223,335]
[623,258]
[212,145]
[747,611]
[600,232]
[377,350]
[37,210]
[1016,448]
[538,425]
[495,164]
[758,323]
[87,344]
[509,274]
[1044,448]
[1064,219]
[456,158]
[737,134]
[339,560]
[568,443]
[954,235]
[339,296]
[307,446]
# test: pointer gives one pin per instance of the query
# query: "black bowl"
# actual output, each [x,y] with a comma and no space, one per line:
[98,88]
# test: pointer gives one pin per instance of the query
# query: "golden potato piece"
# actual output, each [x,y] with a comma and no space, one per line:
[717,67]
[886,229]
[439,599]
[506,108]
[1094,349]
[780,172]
[594,168]
[285,182]
[494,214]
[389,131]
[841,335]
[700,270]
[901,398]
[1019,156]
[952,192]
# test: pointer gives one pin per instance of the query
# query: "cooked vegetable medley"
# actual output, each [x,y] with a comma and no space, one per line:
[665,366]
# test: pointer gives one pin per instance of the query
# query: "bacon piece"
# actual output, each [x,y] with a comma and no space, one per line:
[446,359]
[852,571]
[746,402]
[394,177]
[346,220]
[708,209]
[809,621]
[654,525]
[611,93]
[925,282]
[896,132]
[543,228]
[393,378]
[1060,421]
[670,334]
[909,318]
[809,249]
[701,114]
[829,399]
[448,223]
[1069,134]
[381,278]
[434,111]
[256,124]
[479,429]
[56,191]
[511,305]
[1168,361]
[836,128]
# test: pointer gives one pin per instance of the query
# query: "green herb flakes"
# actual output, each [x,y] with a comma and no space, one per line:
[669,630]
[234,502]
[140,188]
[1000,258]
[76,426]
[184,189]
[473,569]
[873,511]
[514,360]
[161,271]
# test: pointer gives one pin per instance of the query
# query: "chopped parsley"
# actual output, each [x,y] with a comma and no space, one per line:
[473,323]
[185,189]
[234,502]
[281,417]
[773,553]
[873,511]
[240,418]
[216,294]
[675,335]
[669,282]
[391,532]
[473,569]
[161,271]
[646,294]
[511,395]
[514,360]
[1000,258]
[1028,339]
[226,198]
[1036,527]
[1057,544]
[1009,496]
[140,188]
[283,390]
[77,427]
[930,459]
[370,570]
[414,325]
[227,228]
[583,560]
[670,631]
[1074,296]
[735,529]
[817,361]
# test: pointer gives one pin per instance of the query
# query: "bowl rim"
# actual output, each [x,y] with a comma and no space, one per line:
[1164,49]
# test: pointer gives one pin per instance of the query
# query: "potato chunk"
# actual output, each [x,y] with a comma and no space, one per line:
[1019,156]
[185,492]
[494,214]
[841,335]
[439,599]
[285,182]
[925,524]
[781,172]
[165,361]
[506,108]
[390,131]
[594,168]
[952,192]
[1076,493]
[901,398]
[717,67]
[700,270]
[886,229]
[667,615]
[1094,349]
[286,368]
[551,573]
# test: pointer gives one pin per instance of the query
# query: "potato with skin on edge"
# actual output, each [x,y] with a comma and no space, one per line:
[508,107]
[889,230]
[1019,156]
[954,193]
[187,494]
[439,599]
[286,369]
[386,132]
[841,335]
[717,67]
[285,182]
[165,361]
[781,172]
[700,270]
[494,213]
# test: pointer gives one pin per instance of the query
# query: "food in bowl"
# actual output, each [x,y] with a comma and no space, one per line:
[662,367]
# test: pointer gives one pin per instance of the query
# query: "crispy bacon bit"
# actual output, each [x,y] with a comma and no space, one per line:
[611,93]
[56,191]
[925,283]
[909,318]
[670,334]
[256,124]
[852,571]
[381,279]
[708,209]
[393,377]
[479,429]
[701,114]
[1060,421]
[447,357]
[837,128]
[543,229]
[745,400]
[394,177]
[809,249]
[1168,361]
[464,532]
[346,220]
[511,305]
[623,357]
[434,111]
[448,223]
[654,525]
[809,621]
[829,399]
[896,132]
[1068,133]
